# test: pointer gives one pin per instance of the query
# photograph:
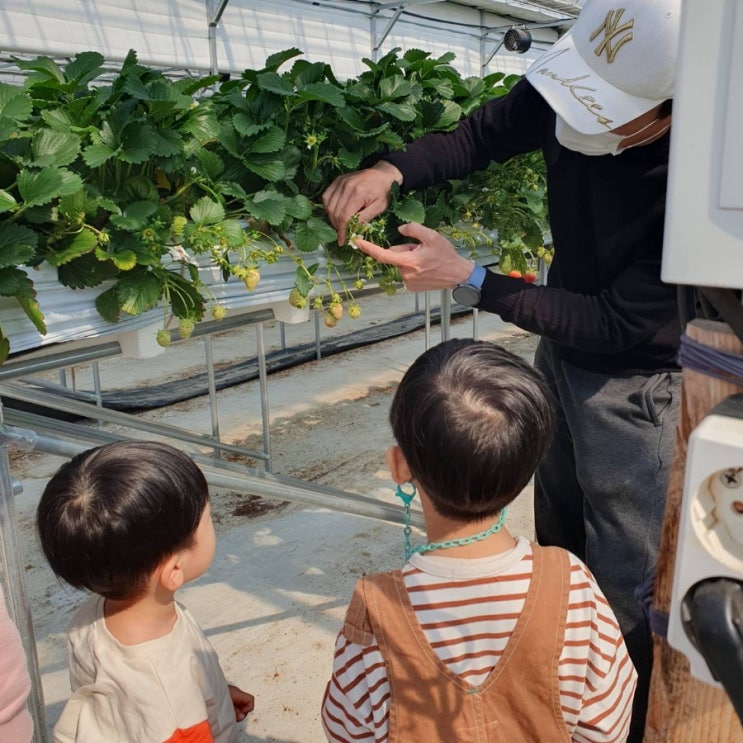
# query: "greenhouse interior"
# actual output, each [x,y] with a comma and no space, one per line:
[172,271]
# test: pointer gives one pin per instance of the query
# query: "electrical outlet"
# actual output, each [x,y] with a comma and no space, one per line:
[710,542]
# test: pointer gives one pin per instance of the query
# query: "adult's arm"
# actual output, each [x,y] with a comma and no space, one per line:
[632,310]
[498,130]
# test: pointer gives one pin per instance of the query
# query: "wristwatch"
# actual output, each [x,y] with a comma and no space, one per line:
[468,293]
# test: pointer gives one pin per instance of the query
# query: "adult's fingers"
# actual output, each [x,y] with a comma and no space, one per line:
[364,192]
[341,203]
[394,255]
[418,232]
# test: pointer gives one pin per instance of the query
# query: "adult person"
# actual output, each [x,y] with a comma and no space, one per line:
[598,105]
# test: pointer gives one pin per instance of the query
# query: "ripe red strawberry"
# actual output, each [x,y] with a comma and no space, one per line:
[515,274]
[530,277]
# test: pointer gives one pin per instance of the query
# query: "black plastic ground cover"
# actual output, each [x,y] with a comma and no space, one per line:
[177,390]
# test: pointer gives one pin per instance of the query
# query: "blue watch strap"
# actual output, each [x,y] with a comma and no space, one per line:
[477,276]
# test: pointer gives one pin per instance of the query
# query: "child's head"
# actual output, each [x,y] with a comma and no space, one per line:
[472,421]
[110,516]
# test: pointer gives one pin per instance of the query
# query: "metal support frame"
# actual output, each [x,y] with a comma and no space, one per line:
[400,9]
[45,361]
[401,6]
[214,10]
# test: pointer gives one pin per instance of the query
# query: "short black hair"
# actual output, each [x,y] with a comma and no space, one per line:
[473,421]
[112,514]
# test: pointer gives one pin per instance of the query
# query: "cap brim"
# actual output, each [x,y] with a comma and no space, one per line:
[581,97]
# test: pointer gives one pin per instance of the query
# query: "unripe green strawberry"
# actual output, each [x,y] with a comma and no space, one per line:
[251,278]
[317,303]
[297,300]
[359,283]
[178,224]
[219,312]
[185,327]
[329,319]
[354,311]
[163,338]
[336,310]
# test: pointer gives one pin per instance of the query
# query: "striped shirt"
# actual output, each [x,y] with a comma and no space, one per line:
[468,610]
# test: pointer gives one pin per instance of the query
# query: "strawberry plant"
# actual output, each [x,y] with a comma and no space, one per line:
[131,178]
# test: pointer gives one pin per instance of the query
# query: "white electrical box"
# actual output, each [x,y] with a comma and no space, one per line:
[703,243]
[710,541]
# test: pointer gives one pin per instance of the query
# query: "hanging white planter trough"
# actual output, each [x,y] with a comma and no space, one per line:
[71,314]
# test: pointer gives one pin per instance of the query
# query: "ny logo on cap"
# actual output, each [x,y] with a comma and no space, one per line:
[612,30]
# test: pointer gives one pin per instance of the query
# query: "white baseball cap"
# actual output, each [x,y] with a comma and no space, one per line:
[616,62]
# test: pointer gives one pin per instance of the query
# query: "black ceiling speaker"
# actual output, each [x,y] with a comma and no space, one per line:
[517,40]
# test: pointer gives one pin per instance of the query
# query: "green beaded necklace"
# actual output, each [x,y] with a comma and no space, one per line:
[407,498]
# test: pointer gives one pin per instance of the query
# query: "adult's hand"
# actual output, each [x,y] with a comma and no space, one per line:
[365,192]
[430,263]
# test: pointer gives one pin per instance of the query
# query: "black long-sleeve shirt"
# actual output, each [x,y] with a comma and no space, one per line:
[604,303]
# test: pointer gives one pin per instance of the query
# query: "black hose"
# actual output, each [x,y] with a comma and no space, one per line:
[178,390]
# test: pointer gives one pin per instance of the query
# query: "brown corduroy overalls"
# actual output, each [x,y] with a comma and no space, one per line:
[519,702]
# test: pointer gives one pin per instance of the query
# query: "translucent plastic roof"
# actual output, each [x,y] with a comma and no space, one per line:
[526,11]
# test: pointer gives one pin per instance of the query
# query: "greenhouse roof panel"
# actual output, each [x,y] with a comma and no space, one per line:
[527,11]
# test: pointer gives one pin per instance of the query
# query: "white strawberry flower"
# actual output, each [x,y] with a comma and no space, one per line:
[179,253]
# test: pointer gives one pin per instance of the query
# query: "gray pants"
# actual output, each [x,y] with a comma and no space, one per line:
[601,490]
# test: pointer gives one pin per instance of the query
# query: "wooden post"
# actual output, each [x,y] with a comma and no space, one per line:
[683,709]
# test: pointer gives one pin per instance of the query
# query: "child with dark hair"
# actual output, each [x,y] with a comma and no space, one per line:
[481,635]
[131,522]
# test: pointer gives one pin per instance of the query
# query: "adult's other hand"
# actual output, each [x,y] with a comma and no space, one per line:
[430,263]
[365,193]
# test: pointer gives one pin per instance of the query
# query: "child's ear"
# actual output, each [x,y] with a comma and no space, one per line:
[398,466]
[171,576]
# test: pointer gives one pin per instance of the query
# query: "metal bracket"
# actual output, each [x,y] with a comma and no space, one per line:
[214,10]
[17,439]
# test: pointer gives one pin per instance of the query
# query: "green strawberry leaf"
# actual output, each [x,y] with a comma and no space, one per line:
[205,211]
[42,186]
[17,244]
[410,210]
[107,304]
[7,202]
[72,246]
[313,233]
[138,291]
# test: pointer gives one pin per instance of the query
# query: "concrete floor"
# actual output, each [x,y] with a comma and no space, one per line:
[274,598]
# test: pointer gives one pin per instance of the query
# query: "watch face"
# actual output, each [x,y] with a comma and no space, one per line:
[466,294]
